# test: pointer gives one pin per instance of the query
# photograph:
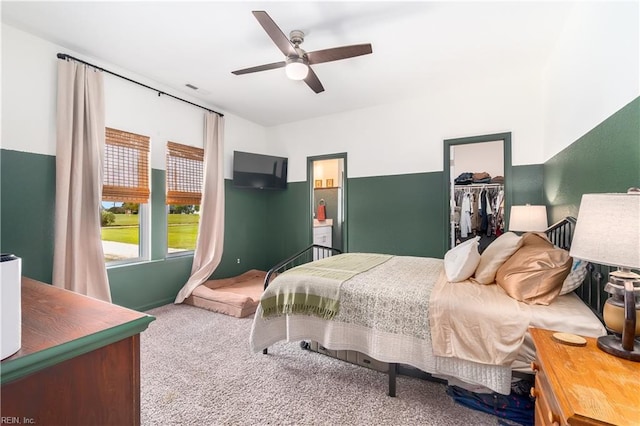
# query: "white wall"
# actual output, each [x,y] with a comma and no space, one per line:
[407,137]
[593,72]
[29,79]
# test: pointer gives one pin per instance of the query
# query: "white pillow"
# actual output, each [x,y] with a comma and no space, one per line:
[575,277]
[461,261]
[495,255]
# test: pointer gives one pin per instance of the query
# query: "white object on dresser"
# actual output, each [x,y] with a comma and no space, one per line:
[10,304]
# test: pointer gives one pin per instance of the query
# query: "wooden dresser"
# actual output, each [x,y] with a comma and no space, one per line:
[79,363]
[583,385]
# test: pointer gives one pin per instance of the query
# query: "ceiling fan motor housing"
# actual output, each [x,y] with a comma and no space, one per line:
[296,37]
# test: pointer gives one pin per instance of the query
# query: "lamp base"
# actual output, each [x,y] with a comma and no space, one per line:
[612,344]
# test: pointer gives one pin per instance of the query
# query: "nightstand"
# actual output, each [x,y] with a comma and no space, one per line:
[582,385]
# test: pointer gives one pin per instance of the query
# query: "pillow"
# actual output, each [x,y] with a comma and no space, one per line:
[535,273]
[461,261]
[495,255]
[575,277]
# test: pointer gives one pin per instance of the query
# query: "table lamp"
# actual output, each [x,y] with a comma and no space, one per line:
[528,218]
[608,233]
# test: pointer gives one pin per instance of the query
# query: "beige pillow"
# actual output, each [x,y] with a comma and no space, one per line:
[495,255]
[535,273]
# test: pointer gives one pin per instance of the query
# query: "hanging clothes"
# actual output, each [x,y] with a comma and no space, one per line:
[488,213]
[484,215]
[465,216]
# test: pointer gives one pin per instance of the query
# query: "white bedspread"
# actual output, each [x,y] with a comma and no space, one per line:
[388,321]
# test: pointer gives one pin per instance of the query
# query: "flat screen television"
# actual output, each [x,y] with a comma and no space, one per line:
[259,171]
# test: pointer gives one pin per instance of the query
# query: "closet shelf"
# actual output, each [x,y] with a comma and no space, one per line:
[480,185]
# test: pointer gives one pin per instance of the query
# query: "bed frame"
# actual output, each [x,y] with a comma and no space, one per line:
[560,234]
[592,289]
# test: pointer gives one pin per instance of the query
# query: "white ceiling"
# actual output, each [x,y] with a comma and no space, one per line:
[418,47]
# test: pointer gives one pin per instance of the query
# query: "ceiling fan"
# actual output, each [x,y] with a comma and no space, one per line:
[298,62]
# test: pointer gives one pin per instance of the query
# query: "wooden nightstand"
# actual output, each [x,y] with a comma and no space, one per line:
[583,385]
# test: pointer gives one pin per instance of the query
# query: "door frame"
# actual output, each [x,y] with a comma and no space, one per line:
[508,182]
[336,156]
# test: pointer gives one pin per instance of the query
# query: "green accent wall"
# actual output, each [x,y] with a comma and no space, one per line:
[245,231]
[605,159]
[146,285]
[400,214]
[158,215]
[27,200]
[288,230]
[527,184]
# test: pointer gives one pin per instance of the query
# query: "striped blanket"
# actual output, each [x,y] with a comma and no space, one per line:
[319,292]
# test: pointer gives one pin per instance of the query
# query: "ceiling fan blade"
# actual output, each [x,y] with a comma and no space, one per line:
[313,81]
[337,53]
[260,68]
[276,34]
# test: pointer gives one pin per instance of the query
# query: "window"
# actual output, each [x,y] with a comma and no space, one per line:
[184,191]
[125,196]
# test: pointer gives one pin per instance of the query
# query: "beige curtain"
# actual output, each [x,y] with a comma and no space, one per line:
[78,259]
[208,253]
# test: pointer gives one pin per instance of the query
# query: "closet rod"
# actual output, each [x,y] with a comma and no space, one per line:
[160,92]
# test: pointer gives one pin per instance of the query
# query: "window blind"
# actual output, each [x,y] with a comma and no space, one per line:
[184,174]
[126,167]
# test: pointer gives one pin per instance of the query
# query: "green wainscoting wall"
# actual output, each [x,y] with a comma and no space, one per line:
[527,184]
[398,214]
[27,199]
[245,231]
[402,214]
[287,223]
[605,159]
[146,285]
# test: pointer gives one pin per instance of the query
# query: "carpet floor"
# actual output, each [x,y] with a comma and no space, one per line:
[197,369]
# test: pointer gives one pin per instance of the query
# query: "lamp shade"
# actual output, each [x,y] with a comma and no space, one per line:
[528,218]
[296,69]
[608,230]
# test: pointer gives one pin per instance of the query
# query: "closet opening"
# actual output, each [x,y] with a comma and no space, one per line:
[477,181]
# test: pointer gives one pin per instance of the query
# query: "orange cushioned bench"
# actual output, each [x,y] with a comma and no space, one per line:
[236,296]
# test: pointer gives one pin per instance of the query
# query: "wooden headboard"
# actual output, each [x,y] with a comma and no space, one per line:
[592,289]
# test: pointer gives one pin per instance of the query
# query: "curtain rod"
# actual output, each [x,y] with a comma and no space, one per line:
[160,92]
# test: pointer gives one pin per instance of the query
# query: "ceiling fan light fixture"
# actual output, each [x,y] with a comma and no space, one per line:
[296,69]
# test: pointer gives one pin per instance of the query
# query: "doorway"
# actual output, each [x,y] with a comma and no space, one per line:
[328,191]
[485,154]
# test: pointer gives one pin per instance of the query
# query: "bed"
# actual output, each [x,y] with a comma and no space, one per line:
[407,310]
